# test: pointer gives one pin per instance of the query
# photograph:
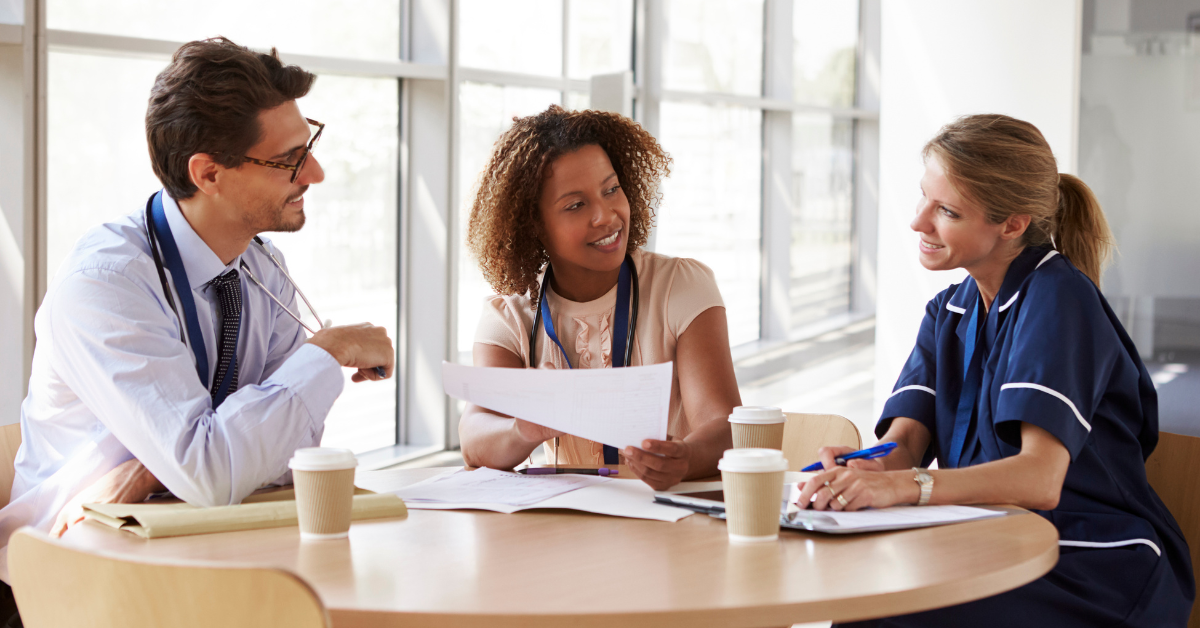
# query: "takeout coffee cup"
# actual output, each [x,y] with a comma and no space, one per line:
[753,483]
[756,426]
[324,478]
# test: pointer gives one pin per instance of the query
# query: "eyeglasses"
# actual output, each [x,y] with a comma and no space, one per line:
[303,157]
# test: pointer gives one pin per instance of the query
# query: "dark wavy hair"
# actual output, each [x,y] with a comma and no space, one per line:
[208,100]
[505,219]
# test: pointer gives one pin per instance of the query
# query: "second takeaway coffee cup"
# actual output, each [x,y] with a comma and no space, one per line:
[324,478]
[753,483]
[756,426]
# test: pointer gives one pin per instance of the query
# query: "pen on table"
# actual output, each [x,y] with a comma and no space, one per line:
[877,451]
[560,470]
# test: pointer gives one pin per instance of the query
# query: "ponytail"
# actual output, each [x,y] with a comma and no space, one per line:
[1081,233]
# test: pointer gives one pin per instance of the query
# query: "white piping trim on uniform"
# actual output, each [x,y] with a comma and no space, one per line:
[1113,544]
[1050,391]
[956,309]
[1045,259]
[913,387]
[1010,302]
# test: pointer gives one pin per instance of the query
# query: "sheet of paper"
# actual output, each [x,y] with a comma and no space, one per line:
[496,487]
[617,407]
[894,518]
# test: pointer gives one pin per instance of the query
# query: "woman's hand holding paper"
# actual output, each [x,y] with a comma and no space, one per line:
[659,463]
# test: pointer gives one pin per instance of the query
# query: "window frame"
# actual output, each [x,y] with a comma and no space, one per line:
[429,78]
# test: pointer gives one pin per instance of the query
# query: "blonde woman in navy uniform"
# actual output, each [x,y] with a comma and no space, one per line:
[1026,390]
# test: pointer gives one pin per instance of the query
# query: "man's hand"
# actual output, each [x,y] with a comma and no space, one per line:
[363,346]
[659,463]
[129,483]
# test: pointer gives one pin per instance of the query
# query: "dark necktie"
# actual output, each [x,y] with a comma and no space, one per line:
[229,295]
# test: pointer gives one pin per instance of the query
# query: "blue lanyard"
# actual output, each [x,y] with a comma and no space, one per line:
[620,317]
[174,263]
[969,396]
[620,328]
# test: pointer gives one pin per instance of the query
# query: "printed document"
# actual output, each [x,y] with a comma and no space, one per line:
[495,487]
[616,407]
[894,518]
[483,489]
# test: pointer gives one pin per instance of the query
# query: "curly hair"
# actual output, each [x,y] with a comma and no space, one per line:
[505,218]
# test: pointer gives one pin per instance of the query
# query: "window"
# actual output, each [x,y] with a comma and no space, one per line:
[345,259]
[711,208]
[822,218]
[756,101]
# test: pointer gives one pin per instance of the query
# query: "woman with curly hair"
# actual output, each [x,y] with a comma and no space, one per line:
[570,196]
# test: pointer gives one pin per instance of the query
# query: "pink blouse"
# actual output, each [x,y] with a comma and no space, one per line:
[673,292]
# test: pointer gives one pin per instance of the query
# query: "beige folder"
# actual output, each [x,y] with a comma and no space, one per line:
[152,521]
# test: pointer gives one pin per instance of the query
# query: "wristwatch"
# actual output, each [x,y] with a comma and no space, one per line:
[925,481]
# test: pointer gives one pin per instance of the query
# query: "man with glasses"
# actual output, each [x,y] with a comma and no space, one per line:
[170,353]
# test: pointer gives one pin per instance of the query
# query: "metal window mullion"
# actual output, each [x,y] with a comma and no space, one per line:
[98,43]
[36,80]
[452,240]
[775,306]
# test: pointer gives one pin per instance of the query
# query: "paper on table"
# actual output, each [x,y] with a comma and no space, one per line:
[496,487]
[616,407]
[615,497]
[894,518]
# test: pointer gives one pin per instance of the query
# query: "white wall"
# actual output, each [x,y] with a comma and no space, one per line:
[942,59]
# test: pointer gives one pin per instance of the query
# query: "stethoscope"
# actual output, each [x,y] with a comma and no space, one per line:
[191,324]
[628,293]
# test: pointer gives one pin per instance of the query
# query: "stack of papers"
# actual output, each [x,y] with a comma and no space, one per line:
[495,487]
[501,491]
[894,518]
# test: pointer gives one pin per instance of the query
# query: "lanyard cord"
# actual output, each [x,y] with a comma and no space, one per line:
[627,284]
[628,293]
[156,223]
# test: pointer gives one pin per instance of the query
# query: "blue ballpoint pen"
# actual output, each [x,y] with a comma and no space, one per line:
[877,451]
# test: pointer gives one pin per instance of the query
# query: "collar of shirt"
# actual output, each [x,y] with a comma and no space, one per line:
[201,263]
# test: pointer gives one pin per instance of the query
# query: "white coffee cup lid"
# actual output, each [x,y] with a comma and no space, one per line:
[752,460]
[322,459]
[757,415]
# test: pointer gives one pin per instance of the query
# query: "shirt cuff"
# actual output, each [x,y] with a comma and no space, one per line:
[315,378]
[914,402]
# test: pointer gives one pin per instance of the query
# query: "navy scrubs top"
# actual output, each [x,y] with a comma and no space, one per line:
[1054,355]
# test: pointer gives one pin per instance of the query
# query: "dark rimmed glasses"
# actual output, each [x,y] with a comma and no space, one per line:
[295,168]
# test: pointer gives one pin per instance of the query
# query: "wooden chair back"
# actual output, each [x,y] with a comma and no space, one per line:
[1174,472]
[113,592]
[804,434]
[10,440]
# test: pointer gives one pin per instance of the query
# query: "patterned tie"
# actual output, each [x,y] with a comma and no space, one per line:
[229,294]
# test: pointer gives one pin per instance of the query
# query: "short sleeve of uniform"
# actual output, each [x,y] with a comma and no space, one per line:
[915,393]
[1062,354]
[498,325]
[693,290]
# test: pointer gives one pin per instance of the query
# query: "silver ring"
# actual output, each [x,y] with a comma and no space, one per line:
[842,500]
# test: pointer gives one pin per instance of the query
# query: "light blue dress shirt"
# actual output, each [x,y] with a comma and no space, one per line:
[111,379]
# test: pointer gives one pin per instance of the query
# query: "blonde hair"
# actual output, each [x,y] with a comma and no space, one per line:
[1006,166]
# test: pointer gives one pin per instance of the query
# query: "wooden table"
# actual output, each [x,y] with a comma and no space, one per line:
[562,568]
